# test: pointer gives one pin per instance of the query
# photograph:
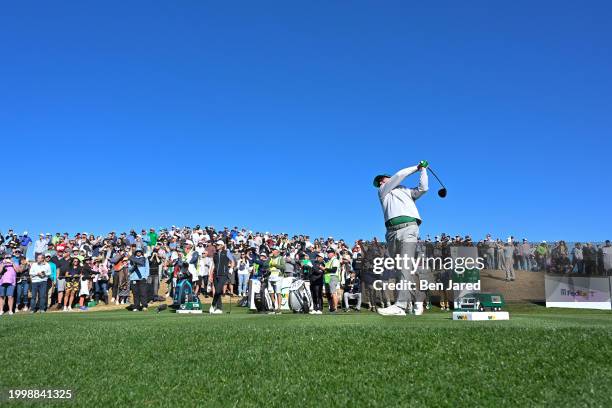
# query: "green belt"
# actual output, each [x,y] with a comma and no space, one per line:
[402,219]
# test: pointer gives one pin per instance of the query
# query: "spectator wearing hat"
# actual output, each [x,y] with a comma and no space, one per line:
[121,281]
[577,258]
[52,277]
[155,271]
[24,242]
[352,291]
[39,274]
[8,280]
[139,272]
[40,245]
[332,279]
[62,261]
[277,267]
[22,267]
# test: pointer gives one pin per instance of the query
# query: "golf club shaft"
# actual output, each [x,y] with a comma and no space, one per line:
[437,178]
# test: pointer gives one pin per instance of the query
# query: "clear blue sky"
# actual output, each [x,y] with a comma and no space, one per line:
[277,115]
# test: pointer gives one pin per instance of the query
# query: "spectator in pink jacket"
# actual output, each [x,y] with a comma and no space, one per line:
[8,278]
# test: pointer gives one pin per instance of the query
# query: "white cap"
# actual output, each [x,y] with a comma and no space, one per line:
[219,242]
[189,242]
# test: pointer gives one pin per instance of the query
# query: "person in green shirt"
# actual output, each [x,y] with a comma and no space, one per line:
[152,237]
[277,268]
[332,279]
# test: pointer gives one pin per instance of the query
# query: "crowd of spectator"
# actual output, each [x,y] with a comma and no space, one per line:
[71,272]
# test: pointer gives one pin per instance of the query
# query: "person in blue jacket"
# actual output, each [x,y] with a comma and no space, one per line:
[139,272]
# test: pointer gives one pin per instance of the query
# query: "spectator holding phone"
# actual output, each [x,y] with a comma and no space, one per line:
[8,279]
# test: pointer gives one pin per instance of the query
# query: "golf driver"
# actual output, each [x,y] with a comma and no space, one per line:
[442,191]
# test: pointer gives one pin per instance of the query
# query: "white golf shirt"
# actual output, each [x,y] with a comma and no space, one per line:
[397,200]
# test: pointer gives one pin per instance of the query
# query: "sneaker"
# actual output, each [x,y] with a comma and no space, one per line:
[1,312]
[25,309]
[218,311]
[312,312]
[346,310]
[319,312]
[211,310]
[83,308]
[10,312]
[391,311]
[144,309]
[418,308]
[279,312]
[65,308]
[135,309]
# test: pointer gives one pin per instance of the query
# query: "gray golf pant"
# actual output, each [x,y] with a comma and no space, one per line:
[403,242]
[351,296]
[509,268]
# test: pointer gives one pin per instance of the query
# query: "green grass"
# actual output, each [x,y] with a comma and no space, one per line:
[540,357]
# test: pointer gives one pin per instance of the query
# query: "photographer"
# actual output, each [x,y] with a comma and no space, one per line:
[139,272]
[155,262]
[121,283]
[8,278]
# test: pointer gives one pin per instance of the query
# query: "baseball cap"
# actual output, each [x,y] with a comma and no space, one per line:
[378,178]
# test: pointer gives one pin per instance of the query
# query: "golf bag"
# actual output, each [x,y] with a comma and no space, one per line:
[300,299]
[244,301]
[259,296]
[183,293]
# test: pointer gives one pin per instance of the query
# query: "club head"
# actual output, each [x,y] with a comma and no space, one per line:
[442,192]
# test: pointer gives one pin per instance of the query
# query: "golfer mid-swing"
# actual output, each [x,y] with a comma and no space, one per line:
[402,220]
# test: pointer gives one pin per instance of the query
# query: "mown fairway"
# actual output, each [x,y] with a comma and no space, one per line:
[118,358]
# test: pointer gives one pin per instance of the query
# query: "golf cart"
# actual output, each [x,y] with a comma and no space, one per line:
[480,302]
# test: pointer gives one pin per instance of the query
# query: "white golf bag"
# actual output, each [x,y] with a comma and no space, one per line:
[259,296]
[300,299]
